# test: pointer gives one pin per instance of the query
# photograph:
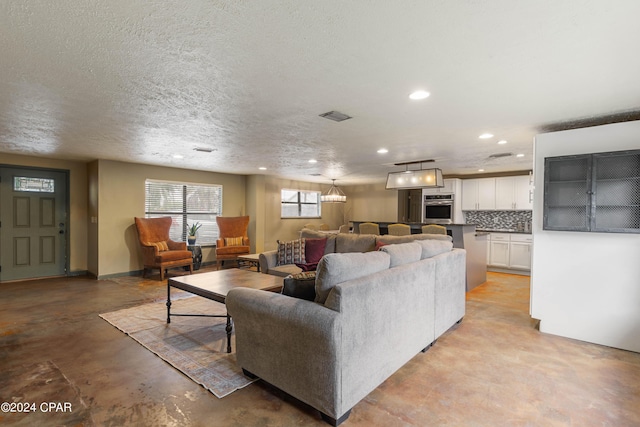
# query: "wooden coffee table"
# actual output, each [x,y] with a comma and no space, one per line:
[215,285]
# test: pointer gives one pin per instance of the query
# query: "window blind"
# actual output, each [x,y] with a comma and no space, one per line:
[185,203]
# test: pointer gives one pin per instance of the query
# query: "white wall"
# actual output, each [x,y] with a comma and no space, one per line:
[586,285]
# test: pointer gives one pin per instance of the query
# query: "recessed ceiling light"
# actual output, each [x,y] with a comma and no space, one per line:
[313,161]
[383,151]
[486,136]
[502,141]
[520,155]
[480,170]
[419,94]
[262,168]
[178,156]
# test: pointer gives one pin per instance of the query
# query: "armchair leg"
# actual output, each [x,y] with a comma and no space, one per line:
[162,272]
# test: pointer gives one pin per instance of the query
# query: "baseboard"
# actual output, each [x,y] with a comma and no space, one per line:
[79,273]
[116,275]
[509,271]
[136,272]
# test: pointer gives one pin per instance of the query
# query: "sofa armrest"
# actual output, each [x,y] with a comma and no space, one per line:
[268,260]
[298,344]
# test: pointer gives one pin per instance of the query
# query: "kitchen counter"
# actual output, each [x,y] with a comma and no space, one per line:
[502,230]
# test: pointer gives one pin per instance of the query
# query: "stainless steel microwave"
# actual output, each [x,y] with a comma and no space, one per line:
[438,208]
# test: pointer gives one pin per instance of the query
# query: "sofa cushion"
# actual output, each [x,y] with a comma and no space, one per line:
[166,256]
[431,248]
[403,253]
[346,242]
[301,285]
[291,252]
[232,250]
[337,268]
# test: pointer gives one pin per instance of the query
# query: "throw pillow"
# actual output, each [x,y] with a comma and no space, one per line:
[291,252]
[160,246]
[233,241]
[314,250]
[301,285]
[379,245]
[308,266]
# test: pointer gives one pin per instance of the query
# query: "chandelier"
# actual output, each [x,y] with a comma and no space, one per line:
[333,195]
[421,178]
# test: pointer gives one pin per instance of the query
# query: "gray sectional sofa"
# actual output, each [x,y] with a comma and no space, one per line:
[338,243]
[373,312]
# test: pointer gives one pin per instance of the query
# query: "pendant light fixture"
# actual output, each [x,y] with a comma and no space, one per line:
[409,179]
[333,195]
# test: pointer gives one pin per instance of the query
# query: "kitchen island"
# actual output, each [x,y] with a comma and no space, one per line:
[464,237]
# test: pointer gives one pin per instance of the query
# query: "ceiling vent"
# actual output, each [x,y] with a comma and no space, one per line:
[336,116]
[203,149]
[499,155]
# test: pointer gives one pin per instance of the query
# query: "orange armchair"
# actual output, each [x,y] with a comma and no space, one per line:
[158,250]
[233,239]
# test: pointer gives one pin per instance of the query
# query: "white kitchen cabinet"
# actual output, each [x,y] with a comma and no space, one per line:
[520,251]
[479,194]
[449,187]
[512,251]
[513,193]
[499,250]
[524,192]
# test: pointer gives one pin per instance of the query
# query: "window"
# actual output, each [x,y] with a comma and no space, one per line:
[36,185]
[300,204]
[185,203]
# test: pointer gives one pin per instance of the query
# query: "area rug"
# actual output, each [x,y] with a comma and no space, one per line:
[196,346]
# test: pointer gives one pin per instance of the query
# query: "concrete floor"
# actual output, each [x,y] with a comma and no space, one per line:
[494,369]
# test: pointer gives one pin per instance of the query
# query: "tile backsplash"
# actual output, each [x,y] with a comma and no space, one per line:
[497,220]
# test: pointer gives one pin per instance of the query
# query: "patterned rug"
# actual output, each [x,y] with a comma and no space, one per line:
[196,346]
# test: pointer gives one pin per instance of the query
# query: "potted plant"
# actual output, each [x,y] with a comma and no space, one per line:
[193,229]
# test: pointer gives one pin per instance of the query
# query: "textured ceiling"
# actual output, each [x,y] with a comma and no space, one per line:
[140,81]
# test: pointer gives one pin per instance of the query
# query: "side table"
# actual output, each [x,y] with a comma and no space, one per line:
[196,252]
[252,260]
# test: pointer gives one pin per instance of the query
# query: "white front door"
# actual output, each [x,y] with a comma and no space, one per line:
[33,223]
